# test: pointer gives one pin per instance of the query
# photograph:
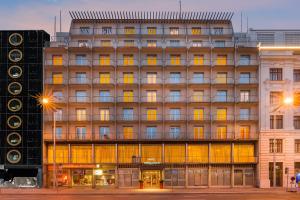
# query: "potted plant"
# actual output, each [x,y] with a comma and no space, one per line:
[141,184]
[161,184]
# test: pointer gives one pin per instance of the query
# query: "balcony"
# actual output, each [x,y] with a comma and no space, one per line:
[79,63]
[246,136]
[104,118]
[100,44]
[152,62]
[175,32]
[151,136]
[175,99]
[175,117]
[128,44]
[105,136]
[199,118]
[222,118]
[247,118]
[127,117]
[247,44]
[127,99]
[175,135]
[223,80]
[175,80]
[179,62]
[204,136]
[176,45]
[151,99]
[197,45]
[79,81]
[79,99]
[223,62]
[103,62]
[151,80]
[55,81]
[80,118]
[58,118]
[127,136]
[80,136]
[199,62]
[103,81]
[225,44]
[54,63]
[222,135]
[220,32]
[80,45]
[247,81]
[80,31]
[198,32]
[247,99]
[127,63]
[247,62]
[199,80]
[151,117]
[127,80]
[103,99]
[199,99]
[223,99]
[59,99]
[151,32]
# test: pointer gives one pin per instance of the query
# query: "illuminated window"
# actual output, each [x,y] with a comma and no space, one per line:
[297,99]
[128,96]
[104,78]
[128,77]
[104,60]
[198,59]
[244,95]
[197,153]
[151,30]
[221,132]
[151,59]
[196,30]
[127,153]
[198,96]
[81,114]
[221,60]
[128,60]
[174,30]
[81,154]
[105,153]
[276,98]
[62,154]
[80,132]
[151,77]
[151,114]
[198,132]
[128,132]
[198,114]
[57,60]
[57,78]
[220,153]
[151,43]
[275,146]
[175,60]
[244,153]
[151,96]
[221,77]
[174,153]
[106,43]
[245,132]
[197,43]
[104,114]
[129,30]
[104,132]
[221,114]
[151,153]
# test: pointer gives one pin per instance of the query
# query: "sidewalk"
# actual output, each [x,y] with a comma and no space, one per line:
[88,191]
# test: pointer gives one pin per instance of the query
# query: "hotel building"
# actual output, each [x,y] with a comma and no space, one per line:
[151,99]
[279,143]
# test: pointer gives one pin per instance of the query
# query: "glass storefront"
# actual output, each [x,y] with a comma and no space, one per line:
[82,177]
[220,176]
[198,177]
[174,177]
[104,178]
[128,177]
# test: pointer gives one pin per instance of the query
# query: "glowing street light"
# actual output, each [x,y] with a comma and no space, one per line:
[288,101]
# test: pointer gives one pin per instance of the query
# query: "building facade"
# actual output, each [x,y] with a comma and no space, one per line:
[279,143]
[151,99]
[21,78]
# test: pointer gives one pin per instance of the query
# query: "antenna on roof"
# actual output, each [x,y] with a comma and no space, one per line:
[247,24]
[55,27]
[241,22]
[60,21]
[179,9]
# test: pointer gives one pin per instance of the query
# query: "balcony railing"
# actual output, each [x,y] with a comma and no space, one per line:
[59,99]
[175,98]
[151,117]
[179,62]
[58,118]
[51,62]
[150,99]
[199,80]
[223,98]
[55,81]
[223,62]
[80,117]
[202,136]
[179,44]
[204,117]
[226,117]
[225,44]
[151,80]
[200,44]
[79,81]
[127,99]
[175,117]
[128,44]
[80,136]
[199,62]
[245,117]
[129,62]
[226,80]
[99,43]
[151,135]
[245,159]
[152,62]
[199,98]
[247,98]
[251,80]
[175,80]
[127,117]
[104,117]
[127,136]
[79,99]
[103,81]
[247,62]
[127,80]
[103,99]
[223,31]
[222,135]
[80,44]
[175,135]
[103,62]
[80,62]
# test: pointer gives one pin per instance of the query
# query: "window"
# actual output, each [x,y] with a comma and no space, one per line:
[80,133]
[81,77]
[197,153]
[129,43]
[62,154]
[129,30]
[126,152]
[106,30]
[221,113]
[151,153]
[275,145]
[276,98]
[151,30]
[58,114]
[104,132]
[175,60]
[85,30]
[198,59]
[196,30]
[174,132]
[221,60]
[198,114]
[219,43]
[244,113]
[221,132]
[297,99]
[127,114]
[276,121]
[128,60]
[220,153]
[151,132]
[296,122]
[218,31]
[81,114]
[83,43]
[244,96]
[174,114]
[244,60]
[174,96]
[174,153]
[57,78]
[275,74]
[151,96]
[151,77]
[81,96]
[128,77]
[58,132]
[151,59]
[297,146]
[244,132]
[128,132]
[198,132]
[198,77]
[81,154]
[151,114]
[58,95]
[104,114]
[104,96]
[105,154]
[198,96]
[221,77]
[174,43]
[106,43]
[104,60]
[128,96]
[174,30]
[221,96]
[243,153]
[151,43]
[175,77]
[197,43]
[244,78]
[57,60]
[297,75]
[81,59]
[104,77]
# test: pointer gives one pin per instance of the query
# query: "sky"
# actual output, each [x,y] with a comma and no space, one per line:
[39,14]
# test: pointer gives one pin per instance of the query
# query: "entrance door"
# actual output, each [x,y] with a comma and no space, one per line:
[278,174]
[151,178]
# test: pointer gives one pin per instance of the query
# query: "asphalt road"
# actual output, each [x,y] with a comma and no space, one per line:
[284,196]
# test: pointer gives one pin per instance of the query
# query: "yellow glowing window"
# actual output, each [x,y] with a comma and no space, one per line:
[198,59]
[198,96]
[221,60]
[104,60]
[175,60]
[221,77]
[197,153]
[128,60]
[127,153]
[128,132]
[198,132]
[104,114]
[81,115]
[151,59]
[81,154]
[221,132]
[221,114]
[151,78]
[151,30]
[128,78]
[129,30]
[105,154]
[151,114]
[62,154]
[105,43]
[128,96]
[151,153]
[104,78]
[57,60]
[196,31]
[220,153]
[57,78]
[245,132]
[244,153]
[199,114]
[174,153]
[151,96]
